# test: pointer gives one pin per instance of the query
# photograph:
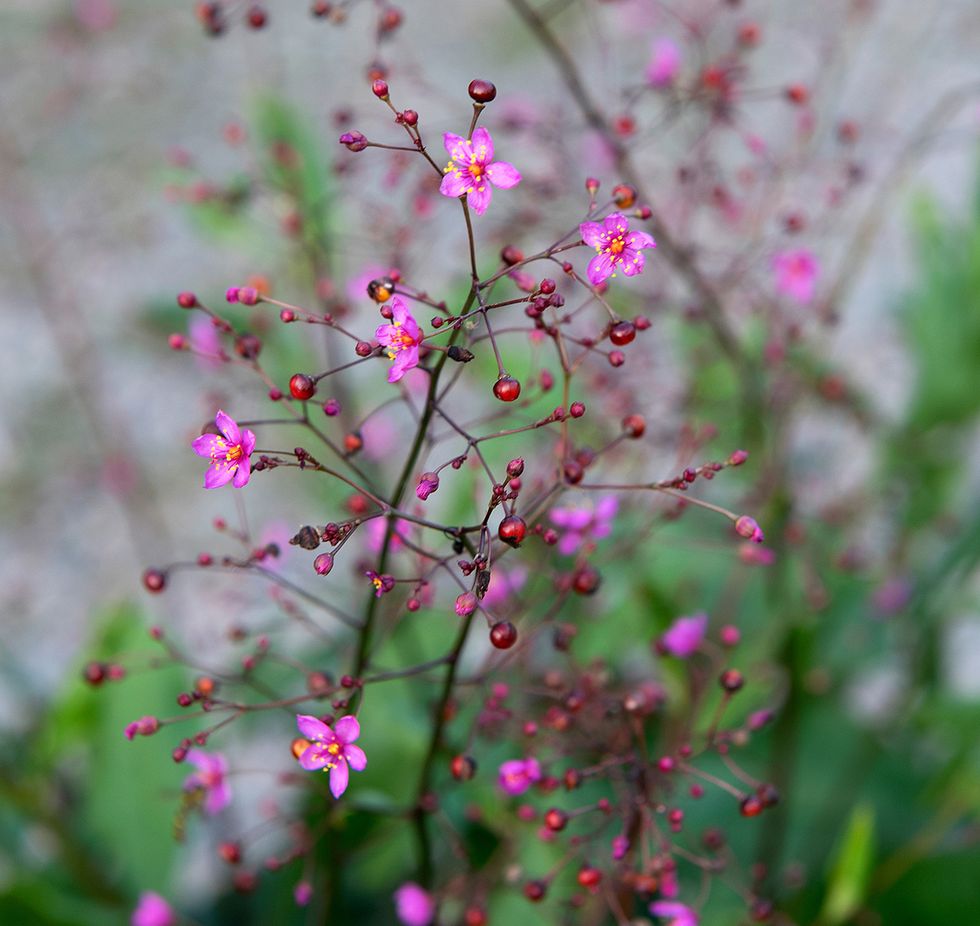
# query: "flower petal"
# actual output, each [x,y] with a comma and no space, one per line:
[638,240]
[218,474]
[248,441]
[355,756]
[207,444]
[243,473]
[314,729]
[458,147]
[219,797]
[616,224]
[503,175]
[347,729]
[454,183]
[482,146]
[600,268]
[593,234]
[315,757]
[226,424]
[479,198]
[339,776]
[632,262]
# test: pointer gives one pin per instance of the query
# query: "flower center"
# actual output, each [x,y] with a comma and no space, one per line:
[476,170]
[233,453]
[616,245]
[334,749]
[377,584]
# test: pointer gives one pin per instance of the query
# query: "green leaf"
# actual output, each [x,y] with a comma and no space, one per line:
[848,882]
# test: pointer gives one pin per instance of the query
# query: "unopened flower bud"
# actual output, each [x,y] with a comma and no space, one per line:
[428,483]
[354,141]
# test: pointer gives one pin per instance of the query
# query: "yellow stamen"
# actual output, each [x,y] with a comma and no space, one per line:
[616,246]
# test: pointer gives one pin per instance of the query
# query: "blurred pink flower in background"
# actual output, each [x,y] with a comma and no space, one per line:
[517,775]
[413,905]
[665,62]
[684,636]
[152,910]
[796,274]
[584,522]
[210,777]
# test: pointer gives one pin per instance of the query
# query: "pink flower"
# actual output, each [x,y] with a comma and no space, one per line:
[145,726]
[678,914]
[748,528]
[584,522]
[620,846]
[517,775]
[229,453]
[614,244]
[382,583]
[472,166]
[205,342]
[413,905]
[152,910]
[796,274]
[376,529]
[402,338]
[664,64]
[303,893]
[684,636]
[428,483]
[503,585]
[209,778]
[332,749]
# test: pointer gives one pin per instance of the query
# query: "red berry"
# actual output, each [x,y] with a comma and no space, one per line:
[731,680]
[622,333]
[507,389]
[474,916]
[302,387]
[353,442]
[186,300]
[634,425]
[586,580]
[481,91]
[511,255]
[555,819]
[589,877]
[797,94]
[154,580]
[535,890]
[95,673]
[617,358]
[503,635]
[463,768]
[624,195]
[576,409]
[230,852]
[751,806]
[257,17]
[512,530]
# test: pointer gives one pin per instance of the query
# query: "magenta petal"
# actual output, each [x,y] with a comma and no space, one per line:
[569,543]
[606,508]
[219,797]
[242,474]
[314,729]
[248,441]
[218,474]
[355,756]
[600,268]
[684,635]
[479,198]
[639,240]
[503,175]
[315,757]
[347,729]
[226,424]
[482,146]
[206,445]
[593,234]
[457,146]
[454,184]
[339,776]
[399,312]
[616,224]
[632,262]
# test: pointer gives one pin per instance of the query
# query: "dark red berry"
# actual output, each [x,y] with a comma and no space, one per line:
[535,890]
[95,673]
[463,768]
[507,389]
[751,805]
[511,255]
[154,580]
[512,530]
[248,346]
[555,819]
[589,877]
[503,635]
[634,425]
[257,17]
[622,333]
[586,580]
[186,300]
[230,852]
[731,680]
[302,387]
[481,91]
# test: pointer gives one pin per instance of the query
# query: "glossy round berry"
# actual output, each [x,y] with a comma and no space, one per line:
[535,890]
[624,195]
[503,635]
[622,333]
[507,389]
[463,768]
[186,300]
[302,387]
[512,530]
[353,442]
[751,806]
[481,91]
[586,580]
[154,580]
[634,426]
[589,877]
[556,820]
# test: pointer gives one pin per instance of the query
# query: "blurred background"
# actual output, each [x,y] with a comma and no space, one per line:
[128,146]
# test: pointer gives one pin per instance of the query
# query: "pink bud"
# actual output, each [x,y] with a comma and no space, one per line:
[323,564]
[748,528]
[465,604]
[428,483]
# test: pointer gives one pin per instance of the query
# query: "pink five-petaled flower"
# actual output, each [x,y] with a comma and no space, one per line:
[615,244]
[152,910]
[332,749]
[382,583]
[210,778]
[229,453]
[584,522]
[684,636]
[413,905]
[677,913]
[517,775]
[796,274]
[402,339]
[472,170]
